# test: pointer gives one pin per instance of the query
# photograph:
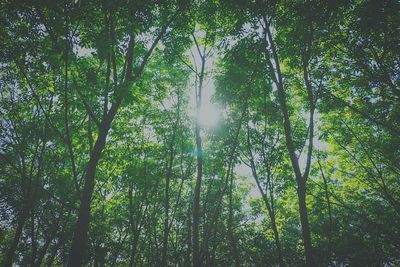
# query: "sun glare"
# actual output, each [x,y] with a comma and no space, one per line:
[209,115]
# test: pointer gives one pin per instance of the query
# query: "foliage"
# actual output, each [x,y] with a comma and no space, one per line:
[100,150]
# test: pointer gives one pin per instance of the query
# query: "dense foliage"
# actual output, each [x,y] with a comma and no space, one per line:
[108,157]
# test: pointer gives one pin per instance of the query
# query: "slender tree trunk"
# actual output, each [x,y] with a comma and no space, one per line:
[133,227]
[133,251]
[117,252]
[270,49]
[277,240]
[33,234]
[60,242]
[166,219]
[27,209]
[328,201]
[271,214]
[196,199]
[276,233]
[166,199]
[135,238]
[48,241]
[136,227]
[100,255]
[301,193]
[79,242]
[269,206]
[13,247]
[234,250]
[189,237]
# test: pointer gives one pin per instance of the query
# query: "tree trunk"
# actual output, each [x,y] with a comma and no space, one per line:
[166,199]
[100,255]
[301,193]
[49,239]
[136,227]
[13,247]
[300,178]
[196,199]
[268,205]
[213,221]
[60,242]
[117,252]
[272,217]
[33,235]
[189,238]
[133,251]
[79,242]
[234,250]
[328,201]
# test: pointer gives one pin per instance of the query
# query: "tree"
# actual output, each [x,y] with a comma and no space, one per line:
[107,159]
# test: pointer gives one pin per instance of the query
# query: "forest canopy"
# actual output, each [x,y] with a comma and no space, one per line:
[200,133]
